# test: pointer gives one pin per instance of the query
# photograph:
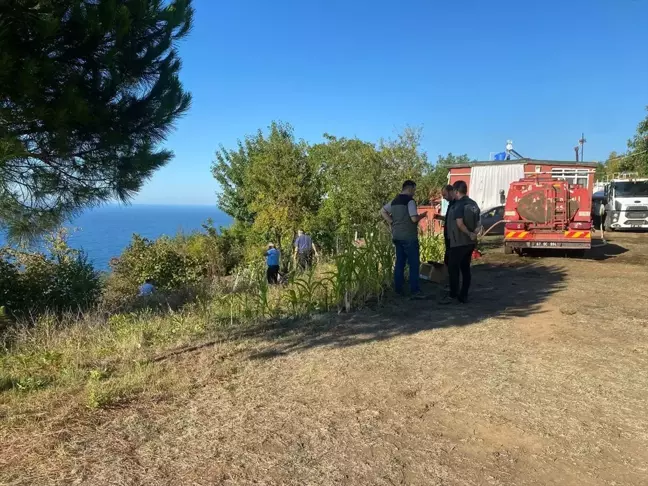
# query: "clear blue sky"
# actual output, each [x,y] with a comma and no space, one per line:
[473,73]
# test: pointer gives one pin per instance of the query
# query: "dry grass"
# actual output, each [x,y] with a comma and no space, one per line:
[540,380]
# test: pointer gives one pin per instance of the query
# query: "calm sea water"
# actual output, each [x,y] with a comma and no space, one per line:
[104,232]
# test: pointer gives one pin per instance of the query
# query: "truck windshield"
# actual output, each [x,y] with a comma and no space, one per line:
[631,189]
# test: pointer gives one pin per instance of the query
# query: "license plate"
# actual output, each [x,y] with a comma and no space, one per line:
[544,244]
[557,244]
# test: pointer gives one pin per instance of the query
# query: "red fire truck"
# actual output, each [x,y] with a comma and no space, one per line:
[543,212]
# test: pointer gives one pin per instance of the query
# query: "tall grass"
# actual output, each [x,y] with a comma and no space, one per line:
[363,272]
[106,356]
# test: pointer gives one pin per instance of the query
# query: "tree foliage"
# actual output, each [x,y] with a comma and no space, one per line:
[274,183]
[437,177]
[354,179]
[634,160]
[58,280]
[269,182]
[638,146]
[88,89]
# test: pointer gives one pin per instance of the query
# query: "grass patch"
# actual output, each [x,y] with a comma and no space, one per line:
[104,361]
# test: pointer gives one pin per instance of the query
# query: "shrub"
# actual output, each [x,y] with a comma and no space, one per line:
[56,281]
[181,267]
[219,250]
[161,260]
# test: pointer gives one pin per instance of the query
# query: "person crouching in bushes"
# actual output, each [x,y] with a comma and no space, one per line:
[147,288]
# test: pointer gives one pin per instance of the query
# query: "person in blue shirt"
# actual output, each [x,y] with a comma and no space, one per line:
[272,260]
[147,288]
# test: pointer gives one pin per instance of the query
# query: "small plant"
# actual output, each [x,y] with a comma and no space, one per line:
[308,293]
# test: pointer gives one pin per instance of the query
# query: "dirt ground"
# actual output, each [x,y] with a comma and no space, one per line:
[541,379]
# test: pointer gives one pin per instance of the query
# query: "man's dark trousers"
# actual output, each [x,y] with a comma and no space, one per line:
[459,264]
[273,274]
[407,253]
[446,255]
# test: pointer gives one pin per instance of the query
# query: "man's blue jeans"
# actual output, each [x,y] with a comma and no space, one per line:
[407,253]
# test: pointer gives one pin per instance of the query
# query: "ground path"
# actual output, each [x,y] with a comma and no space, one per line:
[541,379]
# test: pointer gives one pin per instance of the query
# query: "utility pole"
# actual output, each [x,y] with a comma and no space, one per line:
[581,142]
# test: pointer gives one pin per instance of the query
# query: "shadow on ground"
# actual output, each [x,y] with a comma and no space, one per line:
[598,252]
[505,291]
[605,251]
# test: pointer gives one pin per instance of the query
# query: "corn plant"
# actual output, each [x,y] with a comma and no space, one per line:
[308,293]
[363,271]
[432,246]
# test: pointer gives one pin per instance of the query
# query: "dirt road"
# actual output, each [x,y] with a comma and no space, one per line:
[541,379]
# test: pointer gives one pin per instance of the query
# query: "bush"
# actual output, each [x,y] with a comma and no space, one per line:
[180,267]
[56,281]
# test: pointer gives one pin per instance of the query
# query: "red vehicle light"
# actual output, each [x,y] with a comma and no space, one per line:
[514,226]
[580,226]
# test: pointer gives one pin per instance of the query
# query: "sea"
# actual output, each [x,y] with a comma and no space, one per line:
[104,232]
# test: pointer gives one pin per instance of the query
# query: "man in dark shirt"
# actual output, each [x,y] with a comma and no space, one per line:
[304,250]
[462,221]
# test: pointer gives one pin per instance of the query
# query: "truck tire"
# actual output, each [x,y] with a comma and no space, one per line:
[608,224]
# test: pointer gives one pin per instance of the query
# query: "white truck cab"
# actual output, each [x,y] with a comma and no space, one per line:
[627,203]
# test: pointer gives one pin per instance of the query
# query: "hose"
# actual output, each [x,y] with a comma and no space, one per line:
[502,221]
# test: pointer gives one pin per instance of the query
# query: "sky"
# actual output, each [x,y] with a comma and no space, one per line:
[471,73]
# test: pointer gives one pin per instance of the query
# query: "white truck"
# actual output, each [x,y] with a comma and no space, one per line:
[627,203]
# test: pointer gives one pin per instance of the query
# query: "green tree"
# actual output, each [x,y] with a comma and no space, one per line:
[358,177]
[230,169]
[355,181]
[437,177]
[601,170]
[638,146]
[404,159]
[88,89]
[269,182]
